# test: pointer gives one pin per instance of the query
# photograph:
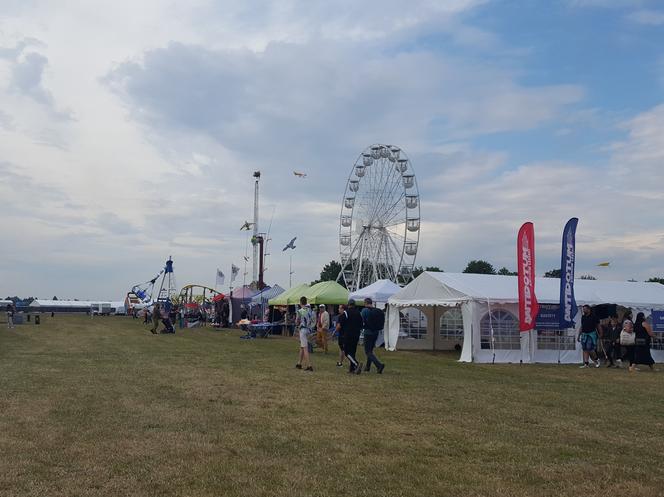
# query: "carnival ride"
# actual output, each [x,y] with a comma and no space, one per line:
[143,292]
[201,305]
[379,225]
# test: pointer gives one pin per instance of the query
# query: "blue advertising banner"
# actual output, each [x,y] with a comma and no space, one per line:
[568,306]
[658,321]
[548,317]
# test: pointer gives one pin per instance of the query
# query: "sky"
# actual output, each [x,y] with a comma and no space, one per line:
[129,132]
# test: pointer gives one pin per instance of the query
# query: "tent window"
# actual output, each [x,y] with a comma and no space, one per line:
[413,323]
[451,325]
[556,340]
[505,330]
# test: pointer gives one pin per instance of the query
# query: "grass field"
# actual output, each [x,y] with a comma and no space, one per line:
[102,407]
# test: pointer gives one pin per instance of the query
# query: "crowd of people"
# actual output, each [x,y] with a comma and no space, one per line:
[351,324]
[617,342]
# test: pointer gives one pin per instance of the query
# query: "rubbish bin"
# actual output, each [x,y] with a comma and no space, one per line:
[37,319]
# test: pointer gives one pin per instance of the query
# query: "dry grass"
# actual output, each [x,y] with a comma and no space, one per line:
[102,407]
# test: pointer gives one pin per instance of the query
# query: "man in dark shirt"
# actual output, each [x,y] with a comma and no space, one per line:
[350,326]
[611,341]
[340,336]
[588,336]
[374,321]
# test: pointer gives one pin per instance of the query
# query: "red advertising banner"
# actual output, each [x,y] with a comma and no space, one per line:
[525,253]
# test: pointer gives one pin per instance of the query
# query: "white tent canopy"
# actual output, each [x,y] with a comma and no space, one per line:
[379,291]
[64,303]
[482,304]
[70,305]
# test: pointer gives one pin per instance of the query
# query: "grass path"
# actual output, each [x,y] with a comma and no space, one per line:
[102,407]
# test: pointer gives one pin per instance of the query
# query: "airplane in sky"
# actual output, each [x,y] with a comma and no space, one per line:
[299,174]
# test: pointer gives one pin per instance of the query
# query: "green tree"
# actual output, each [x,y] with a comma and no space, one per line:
[55,297]
[479,267]
[503,271]
[655,279]
[419,270]
[554,273]
[330,272]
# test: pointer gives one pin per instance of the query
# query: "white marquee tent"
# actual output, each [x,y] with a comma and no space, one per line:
[379,291]
[439,310]
[41,305]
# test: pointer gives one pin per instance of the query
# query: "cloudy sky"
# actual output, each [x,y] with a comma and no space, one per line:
[129,132]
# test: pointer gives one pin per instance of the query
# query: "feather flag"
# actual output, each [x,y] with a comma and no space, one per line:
[234,272]
[220,278]
[528,305]
[568,308]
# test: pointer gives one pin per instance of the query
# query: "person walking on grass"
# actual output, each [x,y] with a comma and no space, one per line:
[304,322]
[156,317]
[643,336]
[322,327]
[10,316]
[350,327]
[588,334]
[611,342]
[374,322]
[340,336]
[627,341]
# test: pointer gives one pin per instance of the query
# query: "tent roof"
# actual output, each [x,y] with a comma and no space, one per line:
[379,291]
[267,294]
[327,292]
[291,296]
[68,303]
[451,288]
[243,292]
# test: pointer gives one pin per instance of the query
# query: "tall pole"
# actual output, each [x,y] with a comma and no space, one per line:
[257,175]
[261,267]
[290,271]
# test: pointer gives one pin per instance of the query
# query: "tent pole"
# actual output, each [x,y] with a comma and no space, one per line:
[493,348]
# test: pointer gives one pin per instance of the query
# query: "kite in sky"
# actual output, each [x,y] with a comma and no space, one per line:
[290,245]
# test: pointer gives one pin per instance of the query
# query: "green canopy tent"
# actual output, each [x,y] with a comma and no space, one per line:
[327,292]
[290,297]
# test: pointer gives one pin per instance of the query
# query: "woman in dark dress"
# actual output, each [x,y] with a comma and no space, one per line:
[644,337]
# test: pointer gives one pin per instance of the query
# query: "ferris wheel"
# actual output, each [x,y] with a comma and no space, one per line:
[379,227]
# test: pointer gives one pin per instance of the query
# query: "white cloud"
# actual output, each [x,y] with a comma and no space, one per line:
[206,93]
[648,17]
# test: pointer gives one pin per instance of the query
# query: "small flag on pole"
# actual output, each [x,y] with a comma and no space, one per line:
[234,272]
[220,278]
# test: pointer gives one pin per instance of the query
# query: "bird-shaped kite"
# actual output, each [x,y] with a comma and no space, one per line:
[299,174]
[291,245]
[246,226]
[246,258]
